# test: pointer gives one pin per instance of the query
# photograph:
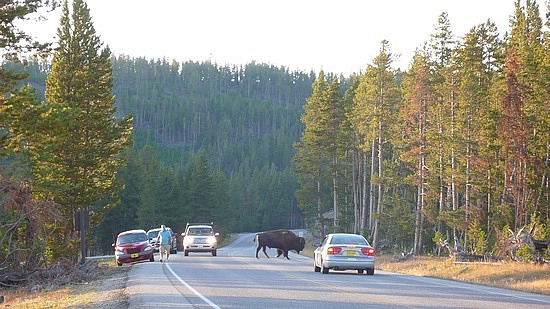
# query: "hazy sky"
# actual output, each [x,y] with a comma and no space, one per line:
[337,36]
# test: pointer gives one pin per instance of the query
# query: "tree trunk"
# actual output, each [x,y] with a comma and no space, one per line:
[365,214]
[320,209]
[467,189]
[335,195]
[371,190]
[419,209]
[379,204]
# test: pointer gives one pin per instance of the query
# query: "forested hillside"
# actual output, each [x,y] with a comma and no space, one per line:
[244,119]
[211,143]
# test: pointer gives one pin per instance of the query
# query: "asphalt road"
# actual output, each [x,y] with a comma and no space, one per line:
[236,279]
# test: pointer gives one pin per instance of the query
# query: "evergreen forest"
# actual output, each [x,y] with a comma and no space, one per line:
[455,149]
[210,144]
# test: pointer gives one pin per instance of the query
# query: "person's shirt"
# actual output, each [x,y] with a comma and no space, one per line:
[164,237]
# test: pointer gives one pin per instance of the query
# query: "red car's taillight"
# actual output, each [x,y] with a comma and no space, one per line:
[334,250]
[368,251]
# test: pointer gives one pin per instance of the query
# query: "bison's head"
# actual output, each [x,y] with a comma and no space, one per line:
[301,244]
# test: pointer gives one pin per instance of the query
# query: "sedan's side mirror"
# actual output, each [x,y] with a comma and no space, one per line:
[216,234]
[183,234]
[317,244]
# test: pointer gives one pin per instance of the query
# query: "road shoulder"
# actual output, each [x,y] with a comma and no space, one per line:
[149,286]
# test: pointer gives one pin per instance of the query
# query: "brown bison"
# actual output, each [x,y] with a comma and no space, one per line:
[282,240]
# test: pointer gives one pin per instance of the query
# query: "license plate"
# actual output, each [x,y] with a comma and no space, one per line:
[350,253]
[134,255]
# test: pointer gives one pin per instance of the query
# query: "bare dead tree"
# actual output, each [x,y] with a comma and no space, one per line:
[513,243]
[25,226]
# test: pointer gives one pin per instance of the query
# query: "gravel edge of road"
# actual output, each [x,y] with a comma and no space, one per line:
[112,293]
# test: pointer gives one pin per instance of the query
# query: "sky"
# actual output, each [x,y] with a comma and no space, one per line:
[341,37]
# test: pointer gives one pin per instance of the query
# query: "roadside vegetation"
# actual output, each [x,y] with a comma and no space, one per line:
[103,288]
[527,277]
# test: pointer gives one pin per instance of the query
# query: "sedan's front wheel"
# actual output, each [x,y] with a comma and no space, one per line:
[316,268]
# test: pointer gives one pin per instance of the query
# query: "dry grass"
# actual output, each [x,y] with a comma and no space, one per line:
[73,296]
[511,275]
[82,295]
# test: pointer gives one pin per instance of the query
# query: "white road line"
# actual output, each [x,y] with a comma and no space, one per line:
[206,300]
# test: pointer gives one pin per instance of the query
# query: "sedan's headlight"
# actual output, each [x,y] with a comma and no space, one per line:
[118,252]
[148,248]
[211,240]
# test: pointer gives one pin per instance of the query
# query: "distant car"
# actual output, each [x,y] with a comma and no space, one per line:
[199,237]
[132,246]
[152,235]
[341,251]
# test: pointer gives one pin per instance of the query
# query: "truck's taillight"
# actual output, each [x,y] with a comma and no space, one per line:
[368,251]
[334,250]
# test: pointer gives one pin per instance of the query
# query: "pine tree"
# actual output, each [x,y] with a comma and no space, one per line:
[417,98]
[149,212]
[525,111]
[121,216]
[442,141]
[85,140]
[198,190]
[310,162]
[333,113]
[376,101]
[476,65]
[13,44]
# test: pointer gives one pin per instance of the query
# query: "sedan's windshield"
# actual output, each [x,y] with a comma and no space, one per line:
[130,238]
[349,240]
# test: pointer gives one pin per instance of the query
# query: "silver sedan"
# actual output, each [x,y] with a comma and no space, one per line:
[342,251]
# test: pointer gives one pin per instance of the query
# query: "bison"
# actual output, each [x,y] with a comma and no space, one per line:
[282,240]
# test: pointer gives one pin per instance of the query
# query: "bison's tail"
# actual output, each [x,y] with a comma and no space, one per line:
[254,240]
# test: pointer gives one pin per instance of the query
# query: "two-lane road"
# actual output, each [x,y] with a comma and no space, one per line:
[236,279]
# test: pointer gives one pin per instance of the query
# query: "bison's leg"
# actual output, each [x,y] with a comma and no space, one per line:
[263,249]
[257,250]
[286,254]
[279,252]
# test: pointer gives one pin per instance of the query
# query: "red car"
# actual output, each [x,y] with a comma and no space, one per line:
[132,246]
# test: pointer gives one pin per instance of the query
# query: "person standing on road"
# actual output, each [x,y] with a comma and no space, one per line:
[164,240]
